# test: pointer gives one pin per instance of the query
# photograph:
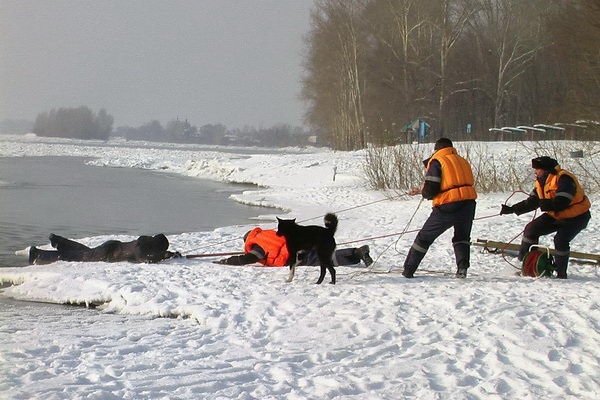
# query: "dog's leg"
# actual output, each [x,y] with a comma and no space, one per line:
[334,260]
[324,268]
[322,276]
[331,270]
[327,261]
[292,272]
[296,259]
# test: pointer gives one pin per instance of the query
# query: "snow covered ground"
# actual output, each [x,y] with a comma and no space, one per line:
[242,333]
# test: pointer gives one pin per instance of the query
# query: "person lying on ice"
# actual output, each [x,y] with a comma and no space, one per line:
[145,249]
[567,210]
[270,250]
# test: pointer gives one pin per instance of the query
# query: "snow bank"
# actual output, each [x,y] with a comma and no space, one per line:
[243,333]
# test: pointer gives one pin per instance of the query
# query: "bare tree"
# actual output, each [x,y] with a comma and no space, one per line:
[575,30]
[335,46]
[450,21]
[373,66]
[508,37]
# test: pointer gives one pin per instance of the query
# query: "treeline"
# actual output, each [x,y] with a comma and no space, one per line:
[372,66]
[280,135]
[80,123]
[174,131]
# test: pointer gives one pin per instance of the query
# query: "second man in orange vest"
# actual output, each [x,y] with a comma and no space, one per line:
[567,210]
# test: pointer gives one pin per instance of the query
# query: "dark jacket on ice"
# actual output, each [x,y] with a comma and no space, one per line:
[145,249]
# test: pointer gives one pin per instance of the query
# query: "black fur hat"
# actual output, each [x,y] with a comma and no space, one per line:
[546,163]
[442,143]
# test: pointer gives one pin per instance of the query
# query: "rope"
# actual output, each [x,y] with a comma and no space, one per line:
[353,275]
[399,234]
[320,216]
[379,237]
[404,232]
[502,253]
[217,244]
[417,230]
[371,267]
[354,207]
[235,253]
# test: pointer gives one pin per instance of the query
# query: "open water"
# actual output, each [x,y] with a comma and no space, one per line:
[62,195]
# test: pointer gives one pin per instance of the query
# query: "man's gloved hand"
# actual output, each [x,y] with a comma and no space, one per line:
[233,260]
[546,205]
[414,191]
[506,210]
[172,254]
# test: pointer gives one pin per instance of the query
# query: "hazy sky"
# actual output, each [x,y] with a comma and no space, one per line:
[236,62]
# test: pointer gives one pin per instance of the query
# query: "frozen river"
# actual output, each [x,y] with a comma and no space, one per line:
[62,195]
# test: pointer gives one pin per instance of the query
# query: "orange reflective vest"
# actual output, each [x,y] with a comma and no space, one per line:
[579,203]
[275,247]
[457,177]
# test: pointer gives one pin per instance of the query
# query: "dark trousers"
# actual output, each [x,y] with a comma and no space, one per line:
[341,257]
[146,249]
[454,215]
[566,230]
[73,251]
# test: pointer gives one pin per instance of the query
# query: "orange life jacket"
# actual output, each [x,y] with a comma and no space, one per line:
[457,177]
[579,204]
[275,247]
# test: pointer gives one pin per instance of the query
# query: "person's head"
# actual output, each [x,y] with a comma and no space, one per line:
[442,143]
[543,165]
[246,235]
[152,248]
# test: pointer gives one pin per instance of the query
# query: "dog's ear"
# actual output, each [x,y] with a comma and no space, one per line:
[294,220]
[278,219]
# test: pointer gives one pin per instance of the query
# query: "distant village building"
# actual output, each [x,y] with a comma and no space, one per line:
[415,131]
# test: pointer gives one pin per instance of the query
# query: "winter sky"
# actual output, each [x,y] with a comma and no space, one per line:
[236,62]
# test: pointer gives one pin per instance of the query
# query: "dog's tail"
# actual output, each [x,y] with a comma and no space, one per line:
[331,222]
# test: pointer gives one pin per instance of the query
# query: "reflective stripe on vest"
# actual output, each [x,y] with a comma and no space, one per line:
[274,246]
[579,203]
[457,177]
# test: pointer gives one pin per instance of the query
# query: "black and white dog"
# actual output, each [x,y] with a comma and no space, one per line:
[306,238]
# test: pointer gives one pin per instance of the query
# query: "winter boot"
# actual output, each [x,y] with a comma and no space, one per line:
[363,253]
[461,273]
[33,254]
[561,272]
[409,272]
[41,257]
[560,264]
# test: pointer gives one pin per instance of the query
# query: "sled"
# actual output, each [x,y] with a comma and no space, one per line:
[503,247]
